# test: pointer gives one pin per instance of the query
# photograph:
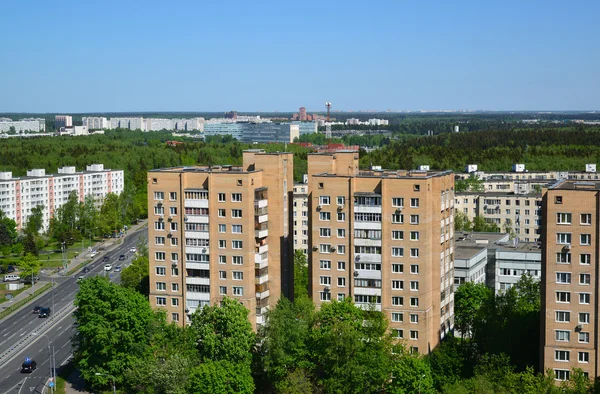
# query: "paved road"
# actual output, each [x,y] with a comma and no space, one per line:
[24,322]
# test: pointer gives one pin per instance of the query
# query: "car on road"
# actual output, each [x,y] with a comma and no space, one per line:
[86,269]
[10,268]
[12,278]
[36,309]
[44,312]
[80,279]
[93,254]
[105,259]
[107,267]
[133,249]
[118,268]
[27,280]
[122,257]
[28,366]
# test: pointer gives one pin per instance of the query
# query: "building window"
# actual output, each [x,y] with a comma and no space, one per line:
[341,233]
[161,286]
[398,235]
[563,296]
[414,334]
[237,260]
[325,280]
[561,374]
[398,333]
[222,244]
[236,197]
[236,213]
[562,335]
[222,274]
[160,256]
[159,195]
[397,317]
[236,229]
[174,301]
[414,235]
[414,301]
[584,318]
[563,316]
[414,318]
[584,279]
[397,285]
[414,219]
[558,199]
[414,252]
[563,218]
[585,239]
[325,296]
[584,298]
[238,291]
[175,287]
[341,249]
[222,228]
[563,277]
[174,241]
[223,290]
[414,285]
[341,265]
[398,202]
[324,200]
[398,301]
[221,197]
[325,264]
[563,258]
[159,225]
[585,259]
[414,268]
[397,218]
[583,357]
[414,203]
[175,317]
[341,282]
[341,217]
[561,355]
[397,252]
[222,259]
[173,211]
[236,244]
[341,297]
[221,213]
[325,216]
[341,200]
[398,268]
[161,301]
[417,188]
[584,337]
[239,182]
[159,240]
[325,232]
[563,238]
[585,219]
[173,196]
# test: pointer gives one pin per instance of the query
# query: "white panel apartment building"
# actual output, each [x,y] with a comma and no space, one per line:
[22,125]
[95,123]
[19,195]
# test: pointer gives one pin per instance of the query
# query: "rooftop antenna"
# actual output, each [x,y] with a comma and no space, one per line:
[328,106]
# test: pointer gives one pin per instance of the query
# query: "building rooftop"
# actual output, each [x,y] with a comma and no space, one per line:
[519,247]
[467,252]
[393,174]
[478,238]
[575,185]
[499,194]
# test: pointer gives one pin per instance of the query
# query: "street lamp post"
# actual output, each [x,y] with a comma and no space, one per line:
[112,378]
[51,360]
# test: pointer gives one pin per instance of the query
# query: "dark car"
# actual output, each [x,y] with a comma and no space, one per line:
[105,259]
[86,269]
[44,312]
[29,279]
[36,309]
[10,268]
[122,257]
[28,366]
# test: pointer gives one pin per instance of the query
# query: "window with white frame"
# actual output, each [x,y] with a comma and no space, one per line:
[221,197]
[324,200]
[341,297]
[563,296]
[563,238]
[583,337]
[174,241]
[325,232]
[563,258]
[561,355]
[583,357]
[562,335]
[237,260]
[325,264]
[584,318]
[398,301]
[238,275]
[341,233]
[414,252]
[325,216]
[341,265]
[585,259]
[161,271]
[222,274]
[236,244]
[174,301]
[414,285]
[236,197]
[341,282]
[397,252]
[397,285]
[325,280]
[159,225]
[160,256]
[563,218]
[584,298]
[222,290]
[398,268]
[414,318]
[222,244]
[221,212]
[341,217]
[325,296]
[563,316]
[414,268]
[398,202]
[561,374]
[159,195]
[236,213]
[236,229]
[414,334]
[175,287]
[341,249]
[585,239]
[173,196]
[414,219]
[585,219]
[414,235]
[414,301]
[341,200]
[161,301]
[414,203]
[563,277]
[161,286]
[585,279]
[238,291]
[397,317]
[397,218]
[222,259]
[397,235]
[159,240]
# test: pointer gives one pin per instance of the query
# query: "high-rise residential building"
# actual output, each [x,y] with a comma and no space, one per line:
[221,231]
[302,114]
[63,121]
[255,132]
[300,217]
[384,238]
[18,195]
[570,278]
[22,125]
[96,123]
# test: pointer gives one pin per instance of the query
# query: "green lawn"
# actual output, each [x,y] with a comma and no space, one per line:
[50,256]
[3,291]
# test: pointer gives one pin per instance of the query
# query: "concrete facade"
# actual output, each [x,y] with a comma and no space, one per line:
[300,212]
[384,238]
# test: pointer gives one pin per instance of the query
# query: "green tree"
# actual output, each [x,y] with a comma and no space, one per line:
[110,215]
[137,275]
[469,298]
[410,374]
[300,274]
[221,377]
[29,266]
[462,222]
[8,230]
[480,225]
[351,348]
[112,330]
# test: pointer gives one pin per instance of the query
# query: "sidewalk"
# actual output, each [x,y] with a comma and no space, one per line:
[22,295]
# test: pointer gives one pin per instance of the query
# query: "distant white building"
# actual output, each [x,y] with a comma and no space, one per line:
[300,199]
[96,123]
[18,195]
[63,121]
[22,125]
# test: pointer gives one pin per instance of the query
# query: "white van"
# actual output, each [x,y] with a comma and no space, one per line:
[11,278]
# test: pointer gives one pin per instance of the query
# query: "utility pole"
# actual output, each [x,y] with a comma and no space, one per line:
[54,369]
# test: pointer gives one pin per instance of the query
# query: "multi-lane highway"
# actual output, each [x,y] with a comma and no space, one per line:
[57,332]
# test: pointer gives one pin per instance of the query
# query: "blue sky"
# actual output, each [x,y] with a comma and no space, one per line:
[93,56]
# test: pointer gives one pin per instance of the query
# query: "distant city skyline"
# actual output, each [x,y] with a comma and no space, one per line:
[278,56]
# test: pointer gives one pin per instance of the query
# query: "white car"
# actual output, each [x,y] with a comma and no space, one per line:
[133,249]
[108,267]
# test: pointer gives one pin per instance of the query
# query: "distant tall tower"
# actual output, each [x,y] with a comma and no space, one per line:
[328,130]
[302,114]
[328,106]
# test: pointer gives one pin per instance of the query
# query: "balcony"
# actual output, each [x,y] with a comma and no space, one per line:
[367,257]
[196,203]
[262,219]
[261,194]
[261,311]
[197,281]
[261,261]
[260,204]
[197,249]
[367,208]
[262,295]
[196,218]
[198,234]
[261,230]
[260,249]
[367,242]
[192,295]
[367,225]
[197,266]
[261,279]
